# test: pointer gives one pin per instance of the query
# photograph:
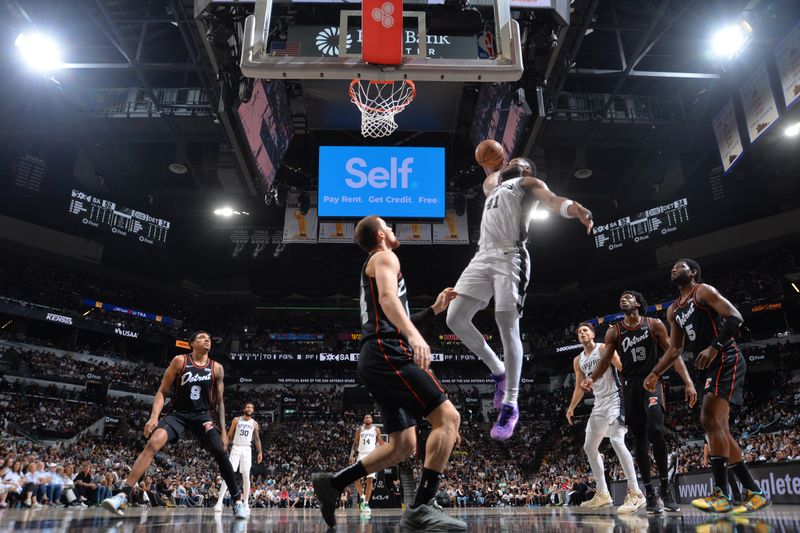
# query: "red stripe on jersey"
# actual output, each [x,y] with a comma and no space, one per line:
[427,371]
[399,375]
[375,303]
[735,364]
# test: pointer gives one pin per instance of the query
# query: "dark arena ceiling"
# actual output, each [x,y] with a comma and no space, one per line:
[627,90]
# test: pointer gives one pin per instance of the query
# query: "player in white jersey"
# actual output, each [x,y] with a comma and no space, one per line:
[501,269]
[606,420]
[244,430]
[368,437]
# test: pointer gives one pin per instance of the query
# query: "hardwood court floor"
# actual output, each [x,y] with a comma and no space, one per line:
[776,518]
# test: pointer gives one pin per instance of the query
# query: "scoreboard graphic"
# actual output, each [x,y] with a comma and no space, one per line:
[655,222]
[121,221]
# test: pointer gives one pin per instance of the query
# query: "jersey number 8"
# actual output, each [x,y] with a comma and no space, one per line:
[195,392]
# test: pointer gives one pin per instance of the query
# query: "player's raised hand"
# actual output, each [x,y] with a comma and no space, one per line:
[651,381]
[422,352]
[585,216]
[443,300]
[149,427]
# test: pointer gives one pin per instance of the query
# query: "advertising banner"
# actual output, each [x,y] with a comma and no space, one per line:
[396,181]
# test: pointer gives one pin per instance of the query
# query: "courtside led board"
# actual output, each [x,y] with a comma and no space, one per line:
[393,182]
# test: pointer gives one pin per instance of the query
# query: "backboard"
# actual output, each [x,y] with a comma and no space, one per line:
[259,59]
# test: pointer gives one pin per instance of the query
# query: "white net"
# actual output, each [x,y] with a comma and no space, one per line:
[379,102]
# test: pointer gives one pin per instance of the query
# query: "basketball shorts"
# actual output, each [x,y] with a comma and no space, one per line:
[725,379]
[360,457]
[643,407]
[606,418]
[501,272]
[241,459]
[404,391]
[198,423]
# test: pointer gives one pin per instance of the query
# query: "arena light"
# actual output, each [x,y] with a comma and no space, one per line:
[39,51]
[730,40]
[793,130]
[795,287]
[540,214]
[228,212]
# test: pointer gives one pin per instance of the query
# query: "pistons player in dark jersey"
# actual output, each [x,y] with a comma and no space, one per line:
[704,322]
[394,367]
[195,382]
[637,338]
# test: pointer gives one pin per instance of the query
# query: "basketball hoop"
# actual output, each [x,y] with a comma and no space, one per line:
[379,101]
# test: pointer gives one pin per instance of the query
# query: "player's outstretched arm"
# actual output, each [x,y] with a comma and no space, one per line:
[558,204]
[731,320]
[578,393]
[662,337]
[425,318]
[608,352]
[378,439]
[387,268]
[676,341]
[167,384]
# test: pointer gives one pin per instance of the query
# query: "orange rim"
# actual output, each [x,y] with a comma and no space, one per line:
[395,109]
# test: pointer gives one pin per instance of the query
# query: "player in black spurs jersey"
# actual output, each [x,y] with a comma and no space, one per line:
[703,322]
[195,382]
[637,338]
[393,365]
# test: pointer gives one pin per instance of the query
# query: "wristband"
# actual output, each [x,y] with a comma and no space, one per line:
[564,209]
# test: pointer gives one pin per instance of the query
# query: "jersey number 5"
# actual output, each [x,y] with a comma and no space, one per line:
[690,332]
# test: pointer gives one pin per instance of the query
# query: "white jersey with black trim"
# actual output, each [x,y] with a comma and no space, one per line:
[368,439]
[507,214]
[608,384]
[244,432]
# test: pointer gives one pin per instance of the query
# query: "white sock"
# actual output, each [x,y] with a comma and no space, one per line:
[222,489]
[459,320]
[592,446]
[626,460]
[508,326]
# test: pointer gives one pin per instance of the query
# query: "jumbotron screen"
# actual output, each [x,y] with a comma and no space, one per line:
[655,222]
[122,221]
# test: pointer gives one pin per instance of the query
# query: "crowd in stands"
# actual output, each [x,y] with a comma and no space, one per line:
[245,328]
[304,428]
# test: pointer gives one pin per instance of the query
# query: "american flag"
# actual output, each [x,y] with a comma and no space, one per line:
[289,48]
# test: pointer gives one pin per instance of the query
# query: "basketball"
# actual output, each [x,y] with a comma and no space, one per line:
[490,153]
